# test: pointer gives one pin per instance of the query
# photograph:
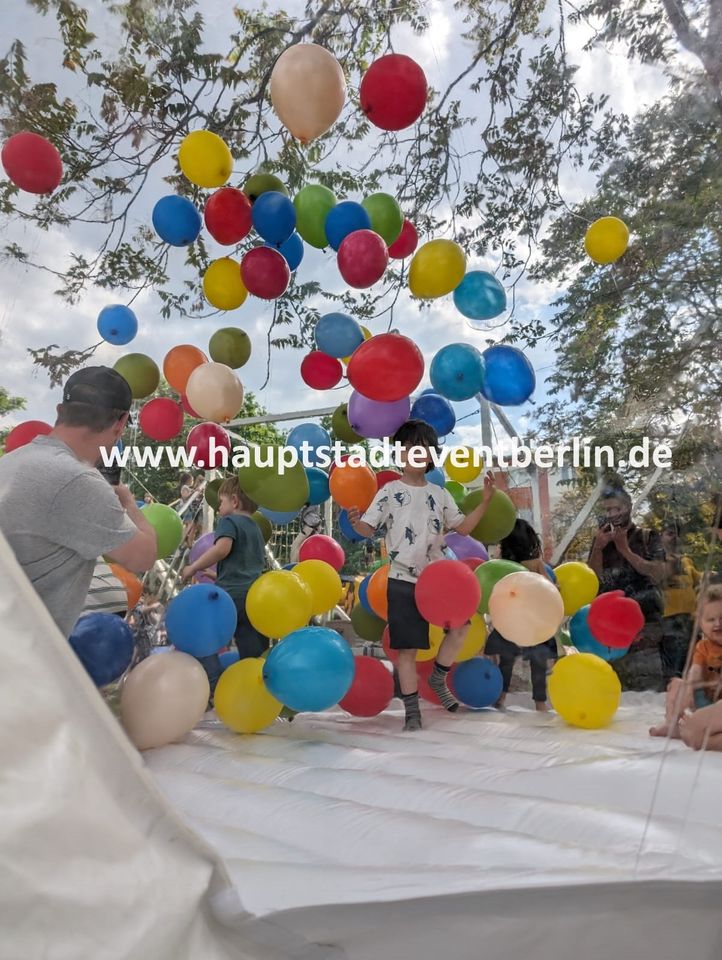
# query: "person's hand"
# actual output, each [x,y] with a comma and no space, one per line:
[125,496]
[187,573]
[353,514]
[489,487]
[604,536]
[619,538]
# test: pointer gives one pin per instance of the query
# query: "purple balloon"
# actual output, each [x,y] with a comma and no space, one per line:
[465,547]
[197,550]
[374,419]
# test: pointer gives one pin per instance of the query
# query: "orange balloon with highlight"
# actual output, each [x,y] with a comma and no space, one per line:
[133,586]
[353,486]
[377,592]
[179,364]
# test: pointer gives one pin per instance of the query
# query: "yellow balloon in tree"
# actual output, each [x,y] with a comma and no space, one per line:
[323,582]
[463,464]
[278,603]
[437,268]
[241,699]
[367,336]
[205,159]
[223,287]
[606,239]
[474,640]
[578,585]
[584,690]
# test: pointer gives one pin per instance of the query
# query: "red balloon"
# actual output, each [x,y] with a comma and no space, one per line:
[24,433]
[204,455]
[320,547]
[362,258]
[372,689]
[393,92]
[387,367]
[32,163]
[228,215]
[265,273]
[343,458]
[471,562]
[386,476]
[320,371]
[392,655]
[161,419]
[447,593]
[424,669]
[615,619]
[188,408]
[406,242]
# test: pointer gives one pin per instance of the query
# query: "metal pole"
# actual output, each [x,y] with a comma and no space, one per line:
[578,523]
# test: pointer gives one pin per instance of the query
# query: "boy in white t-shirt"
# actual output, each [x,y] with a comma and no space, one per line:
[416,515]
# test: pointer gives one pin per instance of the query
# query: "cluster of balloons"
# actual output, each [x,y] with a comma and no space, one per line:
[502,374]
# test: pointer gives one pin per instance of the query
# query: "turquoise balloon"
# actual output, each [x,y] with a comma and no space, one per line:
[310,670]
[480,296]
[318,490]
[585,642]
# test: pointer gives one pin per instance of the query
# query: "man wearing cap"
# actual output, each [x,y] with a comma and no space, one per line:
[56,510]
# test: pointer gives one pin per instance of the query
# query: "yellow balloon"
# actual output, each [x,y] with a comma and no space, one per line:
[323,582]
[578,585]
[241,699]
[606,240]
[205,159]
[468,464]
[278,603]
[308,90]
[367,336]
[584,690]
[223,287]
[214,392]
[437,268]
[473,642]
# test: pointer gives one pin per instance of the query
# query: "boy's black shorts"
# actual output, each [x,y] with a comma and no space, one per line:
[407,628]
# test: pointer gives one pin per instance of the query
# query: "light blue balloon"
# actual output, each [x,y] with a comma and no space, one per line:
[311,669]
[343,219]
[291,250]
[509,378]
[338,335]
[480,296]
[274,217]
[314,435]
[450,555]
[176,221]
[457,371]
[201,620]
[228,658]
[436,476]
[117,324]
[550,571]
[318,489]
[279,517]
[585,642]
[344,525]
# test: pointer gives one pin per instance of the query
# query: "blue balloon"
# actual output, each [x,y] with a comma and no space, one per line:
[311,669]
[436,476]
[363,594]
[201,620]
[104,645]
[428,390]
[279,517]
[457,371]
[509,378]
[140,504]
[449,553]
[312,434]
[228,658]
[291,250]
[343,219]
[288,566]
[117,324]
[338,335]
[550,571]
[477,682]
[176,220]
[480,296]
[344,525]
[436,411]
[274,217]
[318,490]
[584,640]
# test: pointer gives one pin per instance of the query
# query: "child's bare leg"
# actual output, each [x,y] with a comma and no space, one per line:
[448,652]
[409,684]
[674,708]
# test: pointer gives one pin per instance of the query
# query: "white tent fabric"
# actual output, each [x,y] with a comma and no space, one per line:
[487,835]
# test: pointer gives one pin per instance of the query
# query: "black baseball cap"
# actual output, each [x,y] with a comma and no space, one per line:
[100,386]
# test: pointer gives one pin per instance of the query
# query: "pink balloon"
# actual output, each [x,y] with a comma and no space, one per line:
[321,547]
[200,438]
[362,258]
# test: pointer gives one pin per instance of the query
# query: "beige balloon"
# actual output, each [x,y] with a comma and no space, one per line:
[163,698]
[214,392]
[308,90]
[526,608]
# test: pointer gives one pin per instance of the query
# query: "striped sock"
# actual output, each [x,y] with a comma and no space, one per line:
[437,682]
[413,711]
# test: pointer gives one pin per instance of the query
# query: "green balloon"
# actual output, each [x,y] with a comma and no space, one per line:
[264,524]
[211,493]
[378,563]
[140,372]
[564,637]
[312,205]
[272,490]
[457,491]
[386,216]
[489,574]
[367,625]
[342,429]
[231,346]
[261,183]
[168,527]
[497,522]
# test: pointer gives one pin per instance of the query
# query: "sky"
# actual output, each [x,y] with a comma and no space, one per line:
[31,315]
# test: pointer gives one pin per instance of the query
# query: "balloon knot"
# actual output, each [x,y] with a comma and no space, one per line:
[214,594]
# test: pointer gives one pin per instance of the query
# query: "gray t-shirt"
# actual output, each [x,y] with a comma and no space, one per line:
[59,515]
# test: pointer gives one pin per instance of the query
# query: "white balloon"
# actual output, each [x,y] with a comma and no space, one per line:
[526,608]
[214,392]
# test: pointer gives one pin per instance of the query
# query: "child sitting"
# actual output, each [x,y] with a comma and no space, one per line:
[523,546]
[702,685]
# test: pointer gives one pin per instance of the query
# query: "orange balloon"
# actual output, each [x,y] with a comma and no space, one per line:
[179,364]
[353,486]
[133,586]
[377,592]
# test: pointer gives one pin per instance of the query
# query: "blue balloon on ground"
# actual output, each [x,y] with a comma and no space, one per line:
[311,669]
[585,642]
[117,324]
[274,217]
[338,335]
[477,682]
[457,371]
[201,620]
[480,296]
[509,378]
[363,594]
[436,476]
[104,645]
[279,517]
[344,525]
[315,436]
[435,410]
[318,490]
[343,219]
[291,250]
[550,572]
[176,221]
[228,658]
